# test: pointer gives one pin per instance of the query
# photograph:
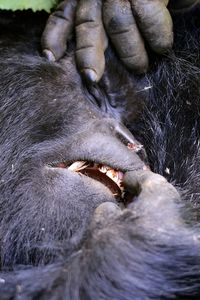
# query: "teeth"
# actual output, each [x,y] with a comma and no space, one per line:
[103,169]
[116,176]
[78,165]
[112,175]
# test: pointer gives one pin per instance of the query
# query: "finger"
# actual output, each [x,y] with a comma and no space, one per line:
[152,189]
[104,213]
[123,31]
[58,28]
[155,22]
[91,40]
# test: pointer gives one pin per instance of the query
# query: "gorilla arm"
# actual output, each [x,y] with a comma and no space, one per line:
[118,257]
[129,24]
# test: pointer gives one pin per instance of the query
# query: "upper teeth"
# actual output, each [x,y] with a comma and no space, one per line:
[78,165]
[116,176]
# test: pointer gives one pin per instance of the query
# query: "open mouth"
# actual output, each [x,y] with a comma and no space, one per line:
[111,178]
[104,174]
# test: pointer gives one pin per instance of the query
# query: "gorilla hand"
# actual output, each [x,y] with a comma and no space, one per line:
[127,23]
[58,29]
[91,39]
[156,202]
[154,23]
[153,20]
[157,199]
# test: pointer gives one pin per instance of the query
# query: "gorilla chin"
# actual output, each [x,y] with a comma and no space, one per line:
[82,215]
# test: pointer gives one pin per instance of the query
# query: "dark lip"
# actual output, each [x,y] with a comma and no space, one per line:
[119,165]
[98,147]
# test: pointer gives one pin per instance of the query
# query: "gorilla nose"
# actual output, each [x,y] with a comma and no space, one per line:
[109,126]
[121,131]
[124,134]
[127,138]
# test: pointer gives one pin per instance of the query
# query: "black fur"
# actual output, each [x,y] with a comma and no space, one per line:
[53,246]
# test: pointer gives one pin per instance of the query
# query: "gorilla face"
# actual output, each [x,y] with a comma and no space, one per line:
[57,149]
[58,195]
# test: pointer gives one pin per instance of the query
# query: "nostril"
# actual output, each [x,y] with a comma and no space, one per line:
[124,134]
[111,126]
[128,139]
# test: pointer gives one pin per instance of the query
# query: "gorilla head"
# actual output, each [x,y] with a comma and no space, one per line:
[46,129]
[61,221]
[47,126]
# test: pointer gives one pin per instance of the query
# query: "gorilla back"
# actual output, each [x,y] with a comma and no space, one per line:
[63,234]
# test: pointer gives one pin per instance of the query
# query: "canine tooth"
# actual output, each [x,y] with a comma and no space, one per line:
[103,169]
[111,174]
[78,165]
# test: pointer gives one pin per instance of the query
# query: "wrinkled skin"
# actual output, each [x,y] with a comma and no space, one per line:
[131,25]
[63,235]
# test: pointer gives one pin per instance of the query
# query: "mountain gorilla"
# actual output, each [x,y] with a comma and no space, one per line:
[82,215]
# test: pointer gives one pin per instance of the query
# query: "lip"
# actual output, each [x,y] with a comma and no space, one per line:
[99,149]
[104,174]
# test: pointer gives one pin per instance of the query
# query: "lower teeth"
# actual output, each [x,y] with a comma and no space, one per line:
[115,176]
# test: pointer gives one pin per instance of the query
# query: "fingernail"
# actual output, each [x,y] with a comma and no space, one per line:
[90,75]
[49,55]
